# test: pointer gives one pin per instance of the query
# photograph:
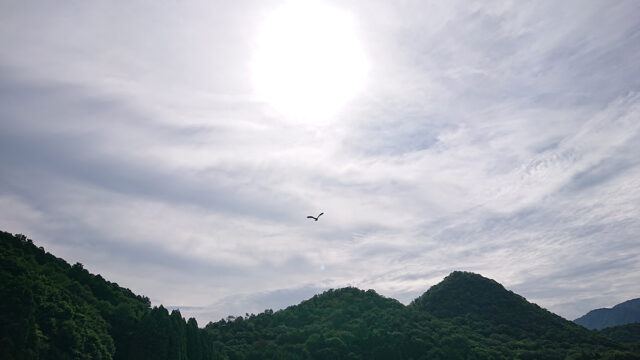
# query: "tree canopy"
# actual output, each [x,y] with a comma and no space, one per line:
[50,309]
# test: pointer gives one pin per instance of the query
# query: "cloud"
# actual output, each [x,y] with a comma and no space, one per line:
[494,138]
[253,303]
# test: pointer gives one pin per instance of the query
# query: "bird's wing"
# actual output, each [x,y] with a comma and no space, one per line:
[310,217]
[320,214]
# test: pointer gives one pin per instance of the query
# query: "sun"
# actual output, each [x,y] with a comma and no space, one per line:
[308,61]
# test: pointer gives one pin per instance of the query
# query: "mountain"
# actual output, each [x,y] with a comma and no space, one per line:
[629,333]
[466,316]
[621,314]
[472,296]
[484,307]
[337,324]
[52,310]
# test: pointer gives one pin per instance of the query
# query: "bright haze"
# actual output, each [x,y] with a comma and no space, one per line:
[176,148]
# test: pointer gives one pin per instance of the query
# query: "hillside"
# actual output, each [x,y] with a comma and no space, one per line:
[466,316]
[629,333]
[52,310]
[499,318]
[469,297]
[621,314]
[344,323]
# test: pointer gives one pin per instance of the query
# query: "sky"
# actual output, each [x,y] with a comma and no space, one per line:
[501,138]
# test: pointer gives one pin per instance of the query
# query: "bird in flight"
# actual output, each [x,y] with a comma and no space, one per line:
[315,217]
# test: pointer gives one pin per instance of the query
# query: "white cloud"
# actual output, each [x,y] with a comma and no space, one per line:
[497,138]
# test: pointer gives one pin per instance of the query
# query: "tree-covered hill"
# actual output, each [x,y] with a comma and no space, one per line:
[621,314]
[505,319]
[629,333]
[338,324]
[466,316]
[52,310]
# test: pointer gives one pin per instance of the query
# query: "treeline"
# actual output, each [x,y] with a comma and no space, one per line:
[465,317]
[338,324]
[52,310]
[628,334]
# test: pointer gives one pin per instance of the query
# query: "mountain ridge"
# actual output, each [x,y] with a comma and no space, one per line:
[48,306]
[50,309]
[623,313]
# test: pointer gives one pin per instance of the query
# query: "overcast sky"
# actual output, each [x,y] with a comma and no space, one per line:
[501,138]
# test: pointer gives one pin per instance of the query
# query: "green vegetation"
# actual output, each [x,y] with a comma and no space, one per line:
[628,334]
[52,310]
[494,318]
[466,316]
[338,324]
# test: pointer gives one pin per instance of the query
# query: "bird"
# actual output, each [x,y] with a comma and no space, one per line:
[315,217]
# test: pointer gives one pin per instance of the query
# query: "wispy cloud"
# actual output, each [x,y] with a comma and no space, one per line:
[499,138]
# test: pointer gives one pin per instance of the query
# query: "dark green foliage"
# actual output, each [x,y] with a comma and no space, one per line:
[466,316]
[500,319]
[621,314]
[629,333]
[338,324]
[52,310]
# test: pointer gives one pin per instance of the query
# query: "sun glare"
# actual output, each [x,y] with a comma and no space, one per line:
[309,61]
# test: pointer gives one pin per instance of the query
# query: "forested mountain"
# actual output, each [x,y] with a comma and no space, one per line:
[483,306]
[52,310]
[621,314]
[338,324]
[629,334]
[466,316]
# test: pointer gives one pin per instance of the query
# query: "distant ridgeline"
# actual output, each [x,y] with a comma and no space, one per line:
[52,310]
[621,314]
